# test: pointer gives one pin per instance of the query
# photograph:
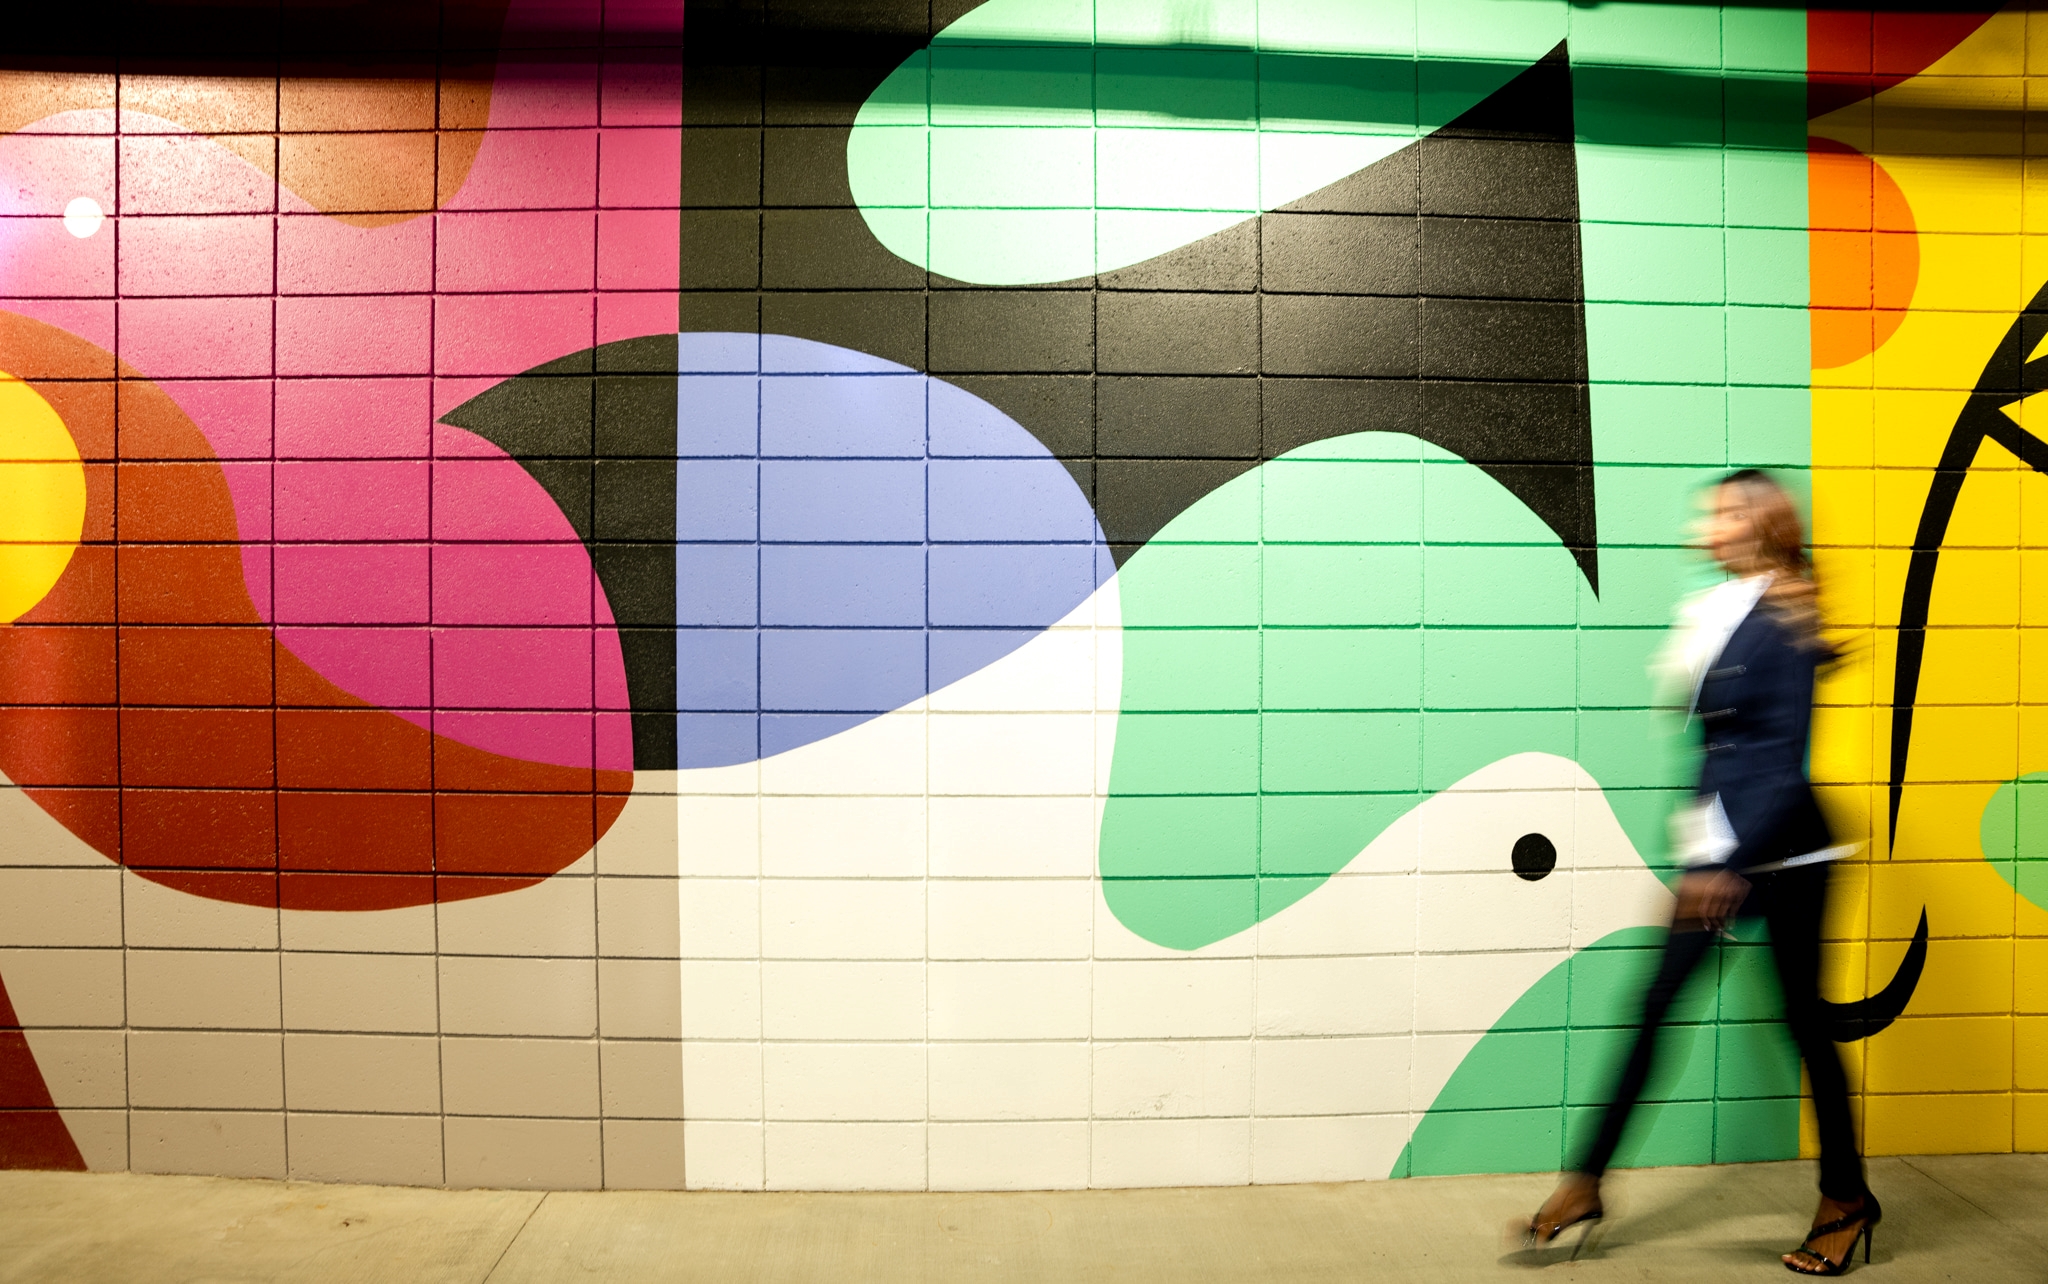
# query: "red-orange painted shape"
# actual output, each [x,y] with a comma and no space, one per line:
[1863,255]
[1853,54]
[270,786]
[32,1133]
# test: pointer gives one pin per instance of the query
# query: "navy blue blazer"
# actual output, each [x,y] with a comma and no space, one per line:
[1756,705]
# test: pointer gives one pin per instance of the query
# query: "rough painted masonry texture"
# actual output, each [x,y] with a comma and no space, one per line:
[989,595]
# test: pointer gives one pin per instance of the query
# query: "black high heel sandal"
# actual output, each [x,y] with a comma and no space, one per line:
[1865,1219]
[1533,1235]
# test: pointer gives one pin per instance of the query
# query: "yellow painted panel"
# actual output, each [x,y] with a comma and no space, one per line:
[2030,975]
[2034,486]
[1848,586]
[1909,428]
[1964,742]
[1844,428]
[1981,586]
[1970,666]
[1844,509]
[1965,271]
[2033,586]
[1939,350]
[2034,666]
[1939,822]
[1841,743]
[1941,1054]
[1987,513]
[2030,1121]
[1970,977]
[1962,898]
[1946,1124]
[2030,1052]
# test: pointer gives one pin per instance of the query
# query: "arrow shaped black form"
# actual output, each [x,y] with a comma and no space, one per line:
[1848,1022]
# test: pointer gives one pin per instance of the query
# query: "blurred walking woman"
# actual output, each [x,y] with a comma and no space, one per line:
[1755,843]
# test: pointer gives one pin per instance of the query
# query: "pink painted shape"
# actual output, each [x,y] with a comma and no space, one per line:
[236,411]
[481,493]
[249,486]
[630,316]
[642,87]
[353,418]
[512,584]
[89,319]
[486,252]
[38,256]
[508,334]
[377,499]
[639,168]
[178,172]
[390,668]
[384,334]
[320,255]
[377,583]
[196,254]
[41,173]
[503,668]
[525,169]
[637,245]
[196,338]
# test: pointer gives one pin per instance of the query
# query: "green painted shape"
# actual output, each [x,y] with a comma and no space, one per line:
[2014,835]
[1529,1094]
[1292,688]
[1036,141]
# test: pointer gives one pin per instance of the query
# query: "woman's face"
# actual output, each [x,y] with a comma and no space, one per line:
[1725,531]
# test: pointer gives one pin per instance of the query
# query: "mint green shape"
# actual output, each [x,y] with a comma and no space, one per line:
[1158,122]
[1528,1097]
[2014,835]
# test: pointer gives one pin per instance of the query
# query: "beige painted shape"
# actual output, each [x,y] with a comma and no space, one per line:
[643,1154]
[60,907]
[637,918]
[845,1156]
[65,987]
[390,1150]
[101,1137]
[159,917]
[643,840]
[538,996]
[554,918]
[1008,1156]
[524,1154]
[362,1072]
[642,1079]
[82,1068]
[396,931]
[539,1077]
[724,1155]
[31,836]
[369,993]
[205,1070]
[203,989]
[639,999]
[207,1142]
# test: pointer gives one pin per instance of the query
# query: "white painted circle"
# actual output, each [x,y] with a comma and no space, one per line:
[83,217]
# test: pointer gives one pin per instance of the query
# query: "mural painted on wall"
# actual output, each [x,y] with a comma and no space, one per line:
[1062,598]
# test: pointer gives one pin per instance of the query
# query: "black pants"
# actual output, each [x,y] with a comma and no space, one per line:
[1791,903]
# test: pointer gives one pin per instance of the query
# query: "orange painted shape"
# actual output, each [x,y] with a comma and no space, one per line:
[1864,253]
[233,770]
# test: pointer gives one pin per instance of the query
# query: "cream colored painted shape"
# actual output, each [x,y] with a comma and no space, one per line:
[82,1068]
[357,1073]
[65,987]
[30,836]
[221,1143]
[366,993]
[524,1154]
[389,1150]
[203,989]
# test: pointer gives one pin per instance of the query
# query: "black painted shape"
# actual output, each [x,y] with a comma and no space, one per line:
[1533,856]
[1437,292]
[597,430]
[1861,1018]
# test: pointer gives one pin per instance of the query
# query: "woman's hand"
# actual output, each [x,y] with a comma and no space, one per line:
[1709,898]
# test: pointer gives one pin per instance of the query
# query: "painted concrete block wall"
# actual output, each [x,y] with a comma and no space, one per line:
[1026,595]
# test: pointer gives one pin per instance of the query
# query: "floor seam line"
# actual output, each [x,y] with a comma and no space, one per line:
[525,1221]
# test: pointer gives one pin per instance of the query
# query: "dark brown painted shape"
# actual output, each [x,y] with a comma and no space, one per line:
[303,796]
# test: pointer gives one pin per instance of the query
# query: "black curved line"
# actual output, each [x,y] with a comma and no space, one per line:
[1848,1022]
[2007,378]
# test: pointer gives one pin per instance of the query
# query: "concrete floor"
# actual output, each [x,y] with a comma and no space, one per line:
[1983,1218]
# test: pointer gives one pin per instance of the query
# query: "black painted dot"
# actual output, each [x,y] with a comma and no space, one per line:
[1534,856]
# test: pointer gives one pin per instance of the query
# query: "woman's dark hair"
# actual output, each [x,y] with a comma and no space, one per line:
[1778,546]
